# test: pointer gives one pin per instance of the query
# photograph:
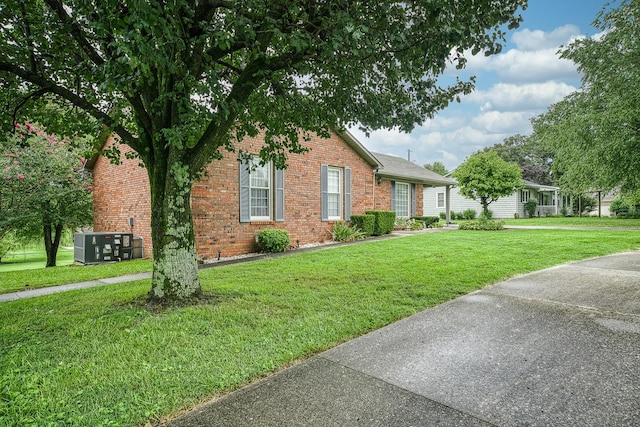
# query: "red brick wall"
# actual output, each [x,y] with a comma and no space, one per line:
[119,193]
[383,196]
[122,192]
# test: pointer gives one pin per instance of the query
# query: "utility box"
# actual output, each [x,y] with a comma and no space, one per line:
[138,247]
[96,248]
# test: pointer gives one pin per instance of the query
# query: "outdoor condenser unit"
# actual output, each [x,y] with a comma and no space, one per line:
[95,248]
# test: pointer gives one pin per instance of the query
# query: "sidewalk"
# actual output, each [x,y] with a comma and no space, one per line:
[63,288]
[559,346]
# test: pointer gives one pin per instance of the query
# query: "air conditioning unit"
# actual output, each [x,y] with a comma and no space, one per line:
[96,248]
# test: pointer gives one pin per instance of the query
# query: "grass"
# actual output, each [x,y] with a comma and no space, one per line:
[33,258]
[99,357]
[585,221]
[19,280]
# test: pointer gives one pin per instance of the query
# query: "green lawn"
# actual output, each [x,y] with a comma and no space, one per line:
[32,258]
[99,357]
[19,280]
[585,221]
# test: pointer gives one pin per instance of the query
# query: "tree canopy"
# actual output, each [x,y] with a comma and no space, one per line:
[534,158]
[485,177]
[595,132]
[181,80]
[437,167]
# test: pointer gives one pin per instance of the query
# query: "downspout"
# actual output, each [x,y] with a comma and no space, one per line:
[447,203]
[373,185]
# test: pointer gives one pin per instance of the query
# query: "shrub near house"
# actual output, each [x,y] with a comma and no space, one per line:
[273,240]
[364,223]
[383,222]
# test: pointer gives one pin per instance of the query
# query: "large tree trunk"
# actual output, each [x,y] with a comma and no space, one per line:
[175,266]
[51,244]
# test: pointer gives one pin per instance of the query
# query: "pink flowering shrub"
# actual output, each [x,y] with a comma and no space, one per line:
[43,174]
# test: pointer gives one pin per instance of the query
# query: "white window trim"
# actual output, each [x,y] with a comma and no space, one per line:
[256,160]
[340,194]
[438,200]
[408,186]
[525,195]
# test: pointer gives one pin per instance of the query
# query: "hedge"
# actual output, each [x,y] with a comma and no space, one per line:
[482,224]
[383,223]
[364,223]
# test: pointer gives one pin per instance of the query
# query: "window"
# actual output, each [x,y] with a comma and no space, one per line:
[260,185]
[545,199]
[334,193]
[525,195]
[440,200]
[261,192]
[402,199]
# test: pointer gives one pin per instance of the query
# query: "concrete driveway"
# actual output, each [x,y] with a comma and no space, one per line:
[555,347]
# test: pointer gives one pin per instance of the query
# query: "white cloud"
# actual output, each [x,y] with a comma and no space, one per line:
[532,40]
[525,97]
[523,66]
[532,66]
[495,122]
[534,59]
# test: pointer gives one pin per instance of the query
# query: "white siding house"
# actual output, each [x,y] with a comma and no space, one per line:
[504,207]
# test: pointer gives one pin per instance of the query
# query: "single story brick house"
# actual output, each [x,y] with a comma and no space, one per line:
[547,197]
[338,177]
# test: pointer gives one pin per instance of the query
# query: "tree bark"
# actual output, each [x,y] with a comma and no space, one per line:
[175,266]
[51,244]
[485,207]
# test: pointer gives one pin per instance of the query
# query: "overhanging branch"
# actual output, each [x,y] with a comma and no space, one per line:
[48,86]
[76,31]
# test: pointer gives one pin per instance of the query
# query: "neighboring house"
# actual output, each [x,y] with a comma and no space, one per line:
[505,207]
[338,177]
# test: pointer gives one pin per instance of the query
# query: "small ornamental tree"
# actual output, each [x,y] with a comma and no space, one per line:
[485,177]
[43,186]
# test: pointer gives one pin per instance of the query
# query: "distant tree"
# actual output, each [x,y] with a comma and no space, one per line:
[534,158]
[437,167]
[180,81]
[43,187]
[595,132]
[485,177]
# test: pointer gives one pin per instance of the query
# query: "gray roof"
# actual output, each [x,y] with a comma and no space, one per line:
[539,187]
[397,168]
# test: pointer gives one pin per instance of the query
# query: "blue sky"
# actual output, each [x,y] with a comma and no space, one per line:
[512,87]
